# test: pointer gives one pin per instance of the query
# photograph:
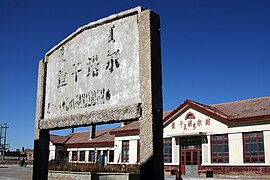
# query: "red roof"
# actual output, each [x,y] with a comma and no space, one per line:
[82,139]
[133,127]
[245,108]
[244,111]
[55,139]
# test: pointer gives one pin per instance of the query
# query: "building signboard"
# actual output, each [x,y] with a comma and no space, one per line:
[106,71]
[96,69]
[92,76]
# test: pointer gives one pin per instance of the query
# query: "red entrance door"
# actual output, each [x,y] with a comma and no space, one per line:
[190,161]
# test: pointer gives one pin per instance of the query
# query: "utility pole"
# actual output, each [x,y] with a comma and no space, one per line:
[3,139]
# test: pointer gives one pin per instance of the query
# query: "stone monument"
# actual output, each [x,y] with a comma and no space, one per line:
[106,71]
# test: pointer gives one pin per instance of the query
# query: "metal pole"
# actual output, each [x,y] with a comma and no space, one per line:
[5,139]
[1,146]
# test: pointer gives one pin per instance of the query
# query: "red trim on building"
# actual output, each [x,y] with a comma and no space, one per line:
[239,170]
[209,111]
[130,131]
[96,144]
[254,119]
[214,113]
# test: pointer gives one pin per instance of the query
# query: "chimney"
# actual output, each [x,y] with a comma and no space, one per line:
[92,131]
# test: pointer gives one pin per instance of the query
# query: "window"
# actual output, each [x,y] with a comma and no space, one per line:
[82,155]
[167,150]
[125,151]
[220,148]
[74,155]
[111,155]
[61,154]
[91,157]
[99,156]
[253,147]
[138,151]
[189,115]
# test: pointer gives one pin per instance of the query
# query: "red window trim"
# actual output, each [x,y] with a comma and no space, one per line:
[80,158]
[223,140]
[257,147]
[74,154]
[125,144]
[168,156]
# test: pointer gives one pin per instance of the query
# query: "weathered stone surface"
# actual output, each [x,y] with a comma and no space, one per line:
[151,126]
[95,69]
[83,88]
[93,117]
[41,137]
[56,175]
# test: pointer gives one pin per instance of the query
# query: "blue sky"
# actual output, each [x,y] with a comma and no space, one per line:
[212,51]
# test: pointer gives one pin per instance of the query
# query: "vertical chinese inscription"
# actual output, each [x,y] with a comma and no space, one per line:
[97,70]
[113,62]
[93,66]
[77,69]
[111,38]
[62,78]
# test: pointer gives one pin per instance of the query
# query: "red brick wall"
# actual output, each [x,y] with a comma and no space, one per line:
[239,170]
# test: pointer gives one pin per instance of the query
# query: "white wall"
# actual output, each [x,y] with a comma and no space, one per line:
[133,139]
[235,148]
[52,149]
[198,125]
[174,129]
[267,146]
[104,149]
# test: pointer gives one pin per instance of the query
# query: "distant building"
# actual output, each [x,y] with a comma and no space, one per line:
[29,154]
[85,148]
[14,155]
[225,138]
[57,147]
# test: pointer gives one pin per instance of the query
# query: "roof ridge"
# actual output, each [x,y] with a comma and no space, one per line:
[80,132]
[243,100]
[211,108]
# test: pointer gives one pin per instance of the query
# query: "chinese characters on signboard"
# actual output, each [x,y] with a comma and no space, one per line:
[191,124]
[97,69]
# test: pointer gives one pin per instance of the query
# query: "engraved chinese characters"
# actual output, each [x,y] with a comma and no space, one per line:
[95,70]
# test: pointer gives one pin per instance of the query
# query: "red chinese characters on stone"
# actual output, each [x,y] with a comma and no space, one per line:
[194,126]
[173,125]
[190,123]
[181,124]
[199,122]
[207,122]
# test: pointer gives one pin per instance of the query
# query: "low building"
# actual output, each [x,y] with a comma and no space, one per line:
[57,147]
[228,137]
[91,147]
[225,138]
[29,154]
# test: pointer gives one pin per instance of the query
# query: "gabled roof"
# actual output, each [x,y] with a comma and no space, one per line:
[132,127]
[207,110]
[56,140]
[82,139]
[244,111]
[230,113]
[245,108]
